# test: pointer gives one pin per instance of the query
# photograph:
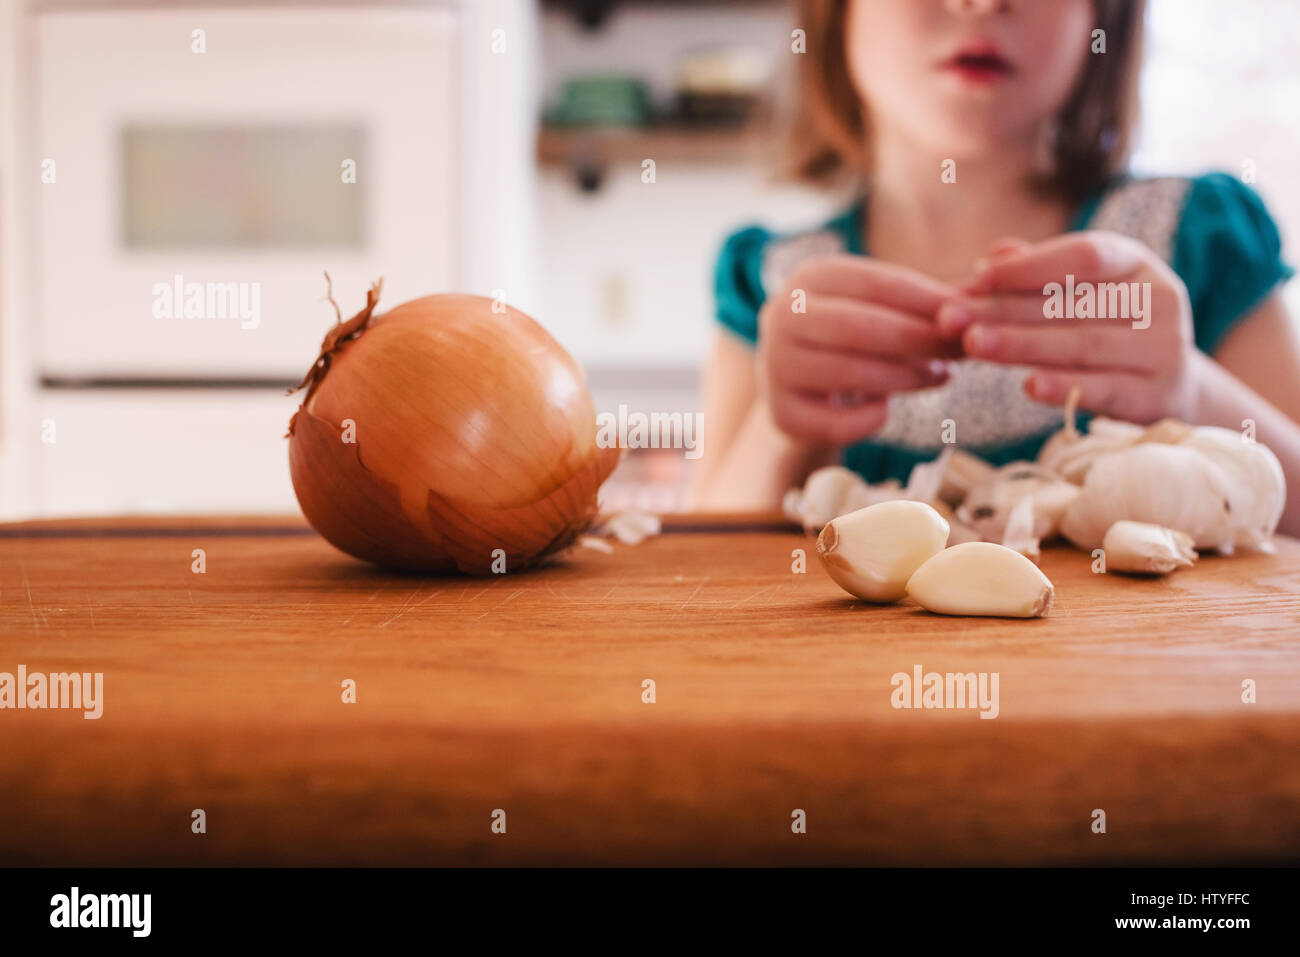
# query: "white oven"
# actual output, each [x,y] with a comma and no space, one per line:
[200,169]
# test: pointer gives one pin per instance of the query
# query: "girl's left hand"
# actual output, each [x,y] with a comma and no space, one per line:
[1138,367]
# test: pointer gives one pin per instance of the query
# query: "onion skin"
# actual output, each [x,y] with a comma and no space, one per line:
[474,431]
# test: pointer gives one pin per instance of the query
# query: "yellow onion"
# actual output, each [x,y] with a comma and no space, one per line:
[443,435]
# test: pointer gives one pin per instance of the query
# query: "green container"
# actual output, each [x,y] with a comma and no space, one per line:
[602,101]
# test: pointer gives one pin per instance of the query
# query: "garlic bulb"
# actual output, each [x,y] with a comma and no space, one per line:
[1170,485]
[1256,479]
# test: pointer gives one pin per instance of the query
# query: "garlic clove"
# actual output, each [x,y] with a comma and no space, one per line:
[871,553]
[824,495]
[981,578]
[1145,548]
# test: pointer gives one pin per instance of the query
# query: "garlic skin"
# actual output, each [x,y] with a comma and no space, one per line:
[1071,454]
[632,527]
[1256,478]
[1019,532]
[1143,548]
[1169,485]
[984,579]
[871,553]
[964,472]
[988,507]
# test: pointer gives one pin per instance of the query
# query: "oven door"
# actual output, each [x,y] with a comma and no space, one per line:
[203,169]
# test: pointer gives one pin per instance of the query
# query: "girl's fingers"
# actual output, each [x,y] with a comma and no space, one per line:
[823,419]
[871,281]
[867,329]
[817,370]
[956,315]
[1003,247]
[1088,345]
[1119,395]
[1095,256]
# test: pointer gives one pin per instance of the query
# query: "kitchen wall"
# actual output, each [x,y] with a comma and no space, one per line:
[621,274]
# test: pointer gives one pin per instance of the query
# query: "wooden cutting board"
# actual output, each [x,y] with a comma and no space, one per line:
[523,693]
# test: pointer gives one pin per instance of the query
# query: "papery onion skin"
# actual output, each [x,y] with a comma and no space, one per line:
[475,439]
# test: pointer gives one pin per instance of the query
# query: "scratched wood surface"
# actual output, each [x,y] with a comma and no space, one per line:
[524,693]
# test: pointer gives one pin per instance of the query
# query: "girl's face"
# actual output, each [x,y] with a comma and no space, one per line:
[965,77]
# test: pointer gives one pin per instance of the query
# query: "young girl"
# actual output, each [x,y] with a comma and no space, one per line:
[986,139]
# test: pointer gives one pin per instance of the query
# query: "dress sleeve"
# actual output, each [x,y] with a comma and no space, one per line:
[738,282]
[1228,254]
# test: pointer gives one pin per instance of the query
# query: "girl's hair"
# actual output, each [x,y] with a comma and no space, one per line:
[829,132]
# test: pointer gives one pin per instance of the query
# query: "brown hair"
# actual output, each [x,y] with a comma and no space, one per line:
[828,133]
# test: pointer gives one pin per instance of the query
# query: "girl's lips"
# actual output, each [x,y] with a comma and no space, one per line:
[978,64]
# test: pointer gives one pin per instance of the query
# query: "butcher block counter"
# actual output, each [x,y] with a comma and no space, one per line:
[699,698]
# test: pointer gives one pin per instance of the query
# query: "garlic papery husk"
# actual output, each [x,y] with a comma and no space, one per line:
[964,472]
[871,553]
[1019,534]
[981,578]
[1257,480]
[988,507]
[1143,548]
[1169,485]
[926,479]
[1071,458]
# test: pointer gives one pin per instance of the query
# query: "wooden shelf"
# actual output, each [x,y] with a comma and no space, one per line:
[667,143]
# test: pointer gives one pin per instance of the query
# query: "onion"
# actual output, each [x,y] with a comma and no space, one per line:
[445,436]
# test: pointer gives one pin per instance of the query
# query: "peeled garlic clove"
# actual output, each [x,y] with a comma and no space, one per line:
[1146,548]
[871,553]
[981,578]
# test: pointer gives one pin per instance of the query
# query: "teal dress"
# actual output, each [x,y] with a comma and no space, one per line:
[1213,230]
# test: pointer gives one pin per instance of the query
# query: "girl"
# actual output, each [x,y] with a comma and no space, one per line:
[986,139]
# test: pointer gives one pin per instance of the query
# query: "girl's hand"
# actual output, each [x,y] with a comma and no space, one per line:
[1138,366]
[844,333]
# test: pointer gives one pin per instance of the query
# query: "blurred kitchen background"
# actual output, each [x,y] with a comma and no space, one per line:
[497,147]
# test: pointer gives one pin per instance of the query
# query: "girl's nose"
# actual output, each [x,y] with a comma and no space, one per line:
[977,7]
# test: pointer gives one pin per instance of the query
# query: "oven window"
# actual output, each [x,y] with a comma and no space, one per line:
[194,187]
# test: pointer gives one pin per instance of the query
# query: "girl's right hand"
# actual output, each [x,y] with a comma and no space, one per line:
[867,329]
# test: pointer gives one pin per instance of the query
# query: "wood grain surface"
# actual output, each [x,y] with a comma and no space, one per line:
[222,691]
